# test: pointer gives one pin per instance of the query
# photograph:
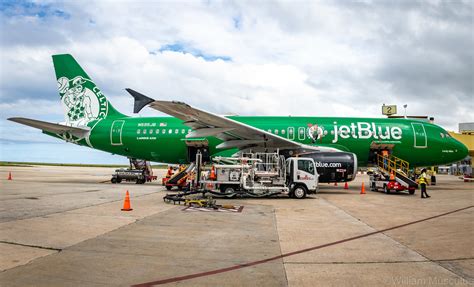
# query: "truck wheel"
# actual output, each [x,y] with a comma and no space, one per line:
[168,187]
[300,192]
[229,189]
[385,189]
[113,180]
[411,191]
[119,180]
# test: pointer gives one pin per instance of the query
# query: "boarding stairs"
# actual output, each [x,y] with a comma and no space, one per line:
[399,167]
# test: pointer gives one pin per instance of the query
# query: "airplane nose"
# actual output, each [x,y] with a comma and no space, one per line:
[462,151]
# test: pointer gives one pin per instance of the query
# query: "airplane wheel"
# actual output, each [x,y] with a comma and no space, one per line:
[300,192]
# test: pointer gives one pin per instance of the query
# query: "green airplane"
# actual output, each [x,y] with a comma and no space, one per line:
[339,145]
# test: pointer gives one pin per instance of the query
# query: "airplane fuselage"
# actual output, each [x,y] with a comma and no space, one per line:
[163,139]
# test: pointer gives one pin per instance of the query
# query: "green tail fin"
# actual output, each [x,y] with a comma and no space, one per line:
[82,100]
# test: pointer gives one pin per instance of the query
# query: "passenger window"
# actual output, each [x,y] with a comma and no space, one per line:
[170,131]
[282,132]
[138,131]
[144,132]
[163,131]
[183,131]
[276,132]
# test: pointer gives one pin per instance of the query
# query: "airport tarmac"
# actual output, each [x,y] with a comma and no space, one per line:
[62,226]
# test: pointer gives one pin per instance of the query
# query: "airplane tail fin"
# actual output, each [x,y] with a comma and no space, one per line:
[82,100]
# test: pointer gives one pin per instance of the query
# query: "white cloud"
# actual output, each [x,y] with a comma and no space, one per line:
[316,58]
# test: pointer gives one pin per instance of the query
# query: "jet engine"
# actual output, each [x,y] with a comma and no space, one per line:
[334,166]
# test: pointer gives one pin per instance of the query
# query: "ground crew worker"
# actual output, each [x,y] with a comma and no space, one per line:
[385,158]
[422,181]
[170,172]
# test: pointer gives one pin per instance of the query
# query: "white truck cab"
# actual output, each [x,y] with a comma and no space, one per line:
[302,176]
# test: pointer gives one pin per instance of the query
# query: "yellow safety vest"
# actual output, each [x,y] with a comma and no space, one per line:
[422,178]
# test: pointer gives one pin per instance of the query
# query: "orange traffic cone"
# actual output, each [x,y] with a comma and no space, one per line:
[346,186]
[362,189]
[126,203]
[213,176]
[10,176]
[392,177]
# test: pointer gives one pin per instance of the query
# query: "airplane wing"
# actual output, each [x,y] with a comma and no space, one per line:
[52,128]
[233,133]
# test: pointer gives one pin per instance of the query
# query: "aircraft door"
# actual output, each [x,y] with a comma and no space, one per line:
[419,134]
[116,132]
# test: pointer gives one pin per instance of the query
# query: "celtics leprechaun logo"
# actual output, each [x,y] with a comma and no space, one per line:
[82,101]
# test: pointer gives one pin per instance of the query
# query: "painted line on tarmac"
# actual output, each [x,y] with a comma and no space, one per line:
[249,264]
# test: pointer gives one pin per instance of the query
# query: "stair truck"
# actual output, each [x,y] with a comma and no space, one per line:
[261,175]
[392,175]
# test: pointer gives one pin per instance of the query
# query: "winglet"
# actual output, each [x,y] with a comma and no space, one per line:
[140,100]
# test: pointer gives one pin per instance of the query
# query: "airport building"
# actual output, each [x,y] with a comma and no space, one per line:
[466,136]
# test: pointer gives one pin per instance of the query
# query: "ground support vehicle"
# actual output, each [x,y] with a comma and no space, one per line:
[139,171]
[138,176]
[378,181]
[392,174]
[261,175]
[180,179]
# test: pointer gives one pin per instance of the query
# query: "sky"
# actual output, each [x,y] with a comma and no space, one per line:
[318,58]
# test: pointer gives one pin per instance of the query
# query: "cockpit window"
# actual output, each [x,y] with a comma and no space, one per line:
[442,135]
[448,135]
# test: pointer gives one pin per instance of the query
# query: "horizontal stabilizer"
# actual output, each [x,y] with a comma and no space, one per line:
[52,128]
[140,100]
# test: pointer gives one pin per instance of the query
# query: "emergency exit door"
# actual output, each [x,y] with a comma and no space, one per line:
[116,132]
[419,134]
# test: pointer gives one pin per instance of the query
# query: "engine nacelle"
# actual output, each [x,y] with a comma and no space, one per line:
[335,166]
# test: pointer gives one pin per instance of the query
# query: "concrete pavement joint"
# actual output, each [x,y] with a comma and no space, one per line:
[278,238]
[377,262]
[73,209]
[437,262]
[269,259]
[33,246]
